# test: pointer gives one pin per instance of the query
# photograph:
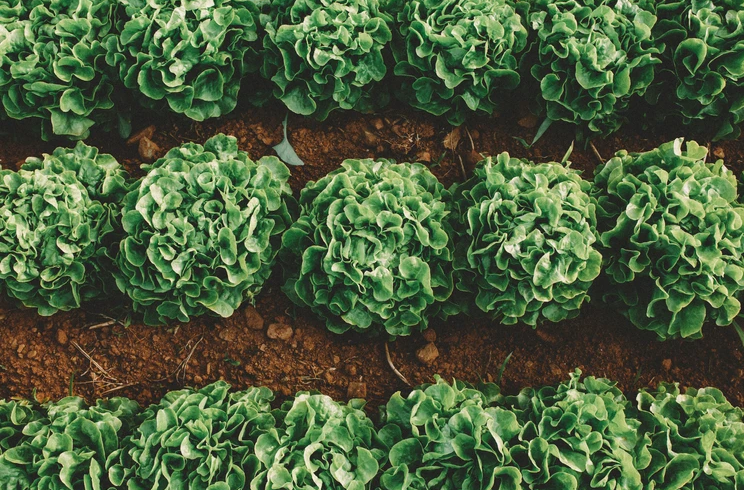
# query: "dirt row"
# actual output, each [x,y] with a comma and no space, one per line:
[96,352]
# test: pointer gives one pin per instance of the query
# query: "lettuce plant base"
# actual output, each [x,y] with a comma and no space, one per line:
[39,353]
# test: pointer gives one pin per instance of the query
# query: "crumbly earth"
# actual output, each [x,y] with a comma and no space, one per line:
[285,348]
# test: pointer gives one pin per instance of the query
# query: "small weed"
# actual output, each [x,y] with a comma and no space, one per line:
[232,362]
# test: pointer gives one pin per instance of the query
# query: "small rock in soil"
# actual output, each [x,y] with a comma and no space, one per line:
[328,377]
[336,359]
[378,124]
[473,157]
[229,334]
[62,337]
[423,157]
[666,364]
[356,390]
[279,331]
[428,353]
[718,152]
[547,337]
[430,335]
[147,132]
[148,150]
[528,122]
[556,370]
[253,319]
[370,138]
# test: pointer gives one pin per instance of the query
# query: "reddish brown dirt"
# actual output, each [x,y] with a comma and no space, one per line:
[46,356]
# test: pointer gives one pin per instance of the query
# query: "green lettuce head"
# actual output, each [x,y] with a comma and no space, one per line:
[579,435]
[14,416]
[190,54]
[202,230]
[526,240]
[195,440]
[702,82]
[697,439]
[52,64]
[591,59]
[371,250]
[69,447]
[457,57]
[323,55]
[672,230]
[319,443]
[449,437]
[58,217]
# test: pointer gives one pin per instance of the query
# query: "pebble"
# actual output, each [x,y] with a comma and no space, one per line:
[148,149]
[428,353]
[547,337]
[356,390]
[228,334]
[666,364]
[378,124]
[328,377]
[370,138]
[253,319]
[423,157]
[529,121]
[718,152]
[147,132]
[279,331]
[336,359]
[61,337]
[430,335]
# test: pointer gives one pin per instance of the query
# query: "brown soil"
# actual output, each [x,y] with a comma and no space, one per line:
[48,356]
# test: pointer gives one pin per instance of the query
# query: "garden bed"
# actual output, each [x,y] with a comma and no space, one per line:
[58,354]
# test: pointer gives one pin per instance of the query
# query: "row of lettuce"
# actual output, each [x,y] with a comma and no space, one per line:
[581,434]
[376,246]
[73,64]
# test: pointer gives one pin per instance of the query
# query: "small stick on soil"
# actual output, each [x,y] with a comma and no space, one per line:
[472,145]
[596,153]
[117,388]
[184,364]
[390,363]
[462,167]
[93,361]
[102,325]
[111,321]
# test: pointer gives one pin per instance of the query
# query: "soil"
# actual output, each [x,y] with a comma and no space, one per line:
[285,348]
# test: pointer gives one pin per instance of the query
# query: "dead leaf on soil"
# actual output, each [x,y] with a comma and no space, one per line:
[452,139]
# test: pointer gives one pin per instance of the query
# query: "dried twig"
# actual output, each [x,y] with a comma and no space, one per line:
[102,325]
[183,365]
[462,167]
[392,366]
[99,375]
[117,388]
[472,145]
[110,321]
[596,153]
[104,373]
